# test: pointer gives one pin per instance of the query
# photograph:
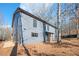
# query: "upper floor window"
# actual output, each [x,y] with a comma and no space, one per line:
[47,27]
[34,23]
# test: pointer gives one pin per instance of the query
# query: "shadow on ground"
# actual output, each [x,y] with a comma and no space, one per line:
[64,44]
[26,50]
[14,51]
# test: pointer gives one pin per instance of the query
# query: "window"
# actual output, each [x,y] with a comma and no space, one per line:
[47,27]
[34,23]
[34,34]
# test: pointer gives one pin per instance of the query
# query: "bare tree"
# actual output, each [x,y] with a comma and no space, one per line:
[68,14]
[1,27]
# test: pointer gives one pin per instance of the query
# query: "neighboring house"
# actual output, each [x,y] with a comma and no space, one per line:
[27,30]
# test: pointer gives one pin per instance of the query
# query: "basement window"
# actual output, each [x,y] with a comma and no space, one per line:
[34,34]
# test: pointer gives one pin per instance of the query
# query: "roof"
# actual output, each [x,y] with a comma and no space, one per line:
[31,15]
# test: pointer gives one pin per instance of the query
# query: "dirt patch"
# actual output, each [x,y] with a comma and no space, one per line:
[4,51]
[66,48]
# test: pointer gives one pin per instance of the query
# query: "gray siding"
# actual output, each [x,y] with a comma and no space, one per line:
[23,29]
[52,30]
[27,28]
[15,28]
[17,34]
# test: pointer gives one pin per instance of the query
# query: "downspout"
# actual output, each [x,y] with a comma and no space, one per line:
[44,34]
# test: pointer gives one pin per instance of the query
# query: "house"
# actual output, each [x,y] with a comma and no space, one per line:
[28,28]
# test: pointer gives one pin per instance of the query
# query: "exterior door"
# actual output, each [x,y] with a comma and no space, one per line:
[49,37]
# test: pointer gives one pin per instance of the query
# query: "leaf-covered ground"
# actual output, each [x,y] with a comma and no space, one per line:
[68,47]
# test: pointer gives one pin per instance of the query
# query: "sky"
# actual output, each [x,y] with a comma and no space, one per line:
[46,11]
[6,12]
[31,7]
[7,9]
